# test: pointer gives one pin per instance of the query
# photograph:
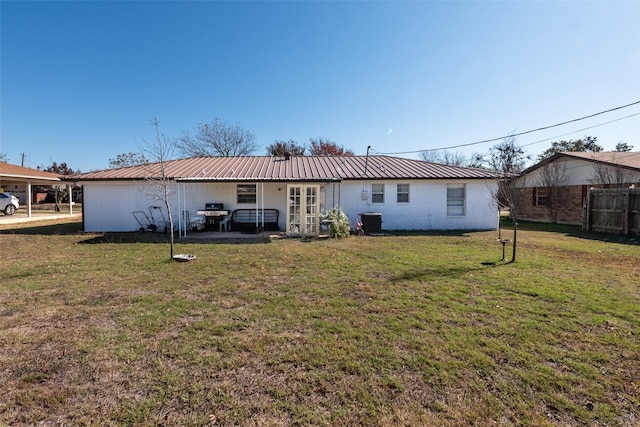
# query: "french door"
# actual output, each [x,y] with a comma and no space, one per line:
[303,214]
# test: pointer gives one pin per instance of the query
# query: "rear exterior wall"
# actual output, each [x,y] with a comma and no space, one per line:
[427,205]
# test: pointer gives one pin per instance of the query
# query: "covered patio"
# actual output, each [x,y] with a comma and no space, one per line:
[18,179]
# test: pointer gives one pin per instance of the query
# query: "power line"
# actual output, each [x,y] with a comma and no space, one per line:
[570,133]
[580,130]
[520,133]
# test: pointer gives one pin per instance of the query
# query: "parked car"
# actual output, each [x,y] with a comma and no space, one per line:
[8,203]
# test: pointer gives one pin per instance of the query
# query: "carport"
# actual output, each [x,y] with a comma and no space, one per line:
[14,175]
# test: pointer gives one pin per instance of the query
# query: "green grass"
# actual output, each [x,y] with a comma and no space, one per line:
[396,330]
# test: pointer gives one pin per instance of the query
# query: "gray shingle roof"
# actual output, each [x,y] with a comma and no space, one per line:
[296,168]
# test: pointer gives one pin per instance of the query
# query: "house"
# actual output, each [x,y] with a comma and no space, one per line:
[555,189]
[404,194]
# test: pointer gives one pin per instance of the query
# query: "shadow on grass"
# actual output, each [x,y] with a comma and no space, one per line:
[439,272]
[569,230]
[63,229]
[75,229]
[164,239]
[409,233]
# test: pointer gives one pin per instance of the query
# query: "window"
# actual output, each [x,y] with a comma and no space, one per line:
[541,196]
[403,193]
[455,199]
[377,193]
[246,193]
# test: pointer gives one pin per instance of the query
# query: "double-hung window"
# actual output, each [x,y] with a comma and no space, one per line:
[541,195]
[246,193]
[403,193]
[456,199]
[377,193]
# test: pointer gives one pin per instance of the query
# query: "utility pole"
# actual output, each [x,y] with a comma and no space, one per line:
[23,156]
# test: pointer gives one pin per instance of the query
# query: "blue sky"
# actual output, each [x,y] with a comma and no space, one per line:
[80,81]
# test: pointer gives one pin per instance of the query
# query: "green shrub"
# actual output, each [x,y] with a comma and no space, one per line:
[339,225]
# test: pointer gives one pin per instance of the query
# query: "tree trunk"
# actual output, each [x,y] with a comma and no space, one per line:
[171,236]
[515,241]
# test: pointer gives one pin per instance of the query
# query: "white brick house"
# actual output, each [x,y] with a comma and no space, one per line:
[409,194]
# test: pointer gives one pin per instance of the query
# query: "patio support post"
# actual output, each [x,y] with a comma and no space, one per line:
[28,199]
[69,190]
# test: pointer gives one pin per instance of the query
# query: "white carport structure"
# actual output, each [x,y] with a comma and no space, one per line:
[14,175]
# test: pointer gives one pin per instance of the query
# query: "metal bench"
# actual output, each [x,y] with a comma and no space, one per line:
[244,220]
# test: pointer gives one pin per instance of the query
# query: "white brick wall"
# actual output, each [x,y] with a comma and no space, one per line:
[109,206]
[427,207]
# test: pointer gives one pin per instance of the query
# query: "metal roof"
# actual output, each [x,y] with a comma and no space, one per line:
[295,168]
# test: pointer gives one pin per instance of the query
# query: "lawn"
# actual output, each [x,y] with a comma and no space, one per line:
[382,331]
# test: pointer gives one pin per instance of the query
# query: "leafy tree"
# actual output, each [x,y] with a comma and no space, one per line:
[588,143]
[278,148]
[508,159]
[57,193]
[325,147]
[217,138]
[61,169]
[127,159]
[623,147]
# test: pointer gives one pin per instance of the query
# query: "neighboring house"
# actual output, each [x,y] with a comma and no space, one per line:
[19,181]
[555,189]
[409,194]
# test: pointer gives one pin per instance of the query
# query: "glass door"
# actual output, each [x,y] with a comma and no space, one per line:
[303,213]
[294,225]
[311,218]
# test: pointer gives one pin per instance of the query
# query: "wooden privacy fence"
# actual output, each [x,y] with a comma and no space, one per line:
[613,211]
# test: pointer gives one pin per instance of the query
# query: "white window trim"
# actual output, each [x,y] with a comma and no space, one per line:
[398,193]
[374,193]
[463,199]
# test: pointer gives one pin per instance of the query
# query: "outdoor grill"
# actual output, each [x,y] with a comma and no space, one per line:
[213,214]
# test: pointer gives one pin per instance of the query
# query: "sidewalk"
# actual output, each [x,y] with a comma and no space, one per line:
[20,218]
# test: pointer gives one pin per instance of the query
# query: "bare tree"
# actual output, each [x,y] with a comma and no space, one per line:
[608,174]
[445,157]
[508,159]
[453,158]
[217,138]
[553,178]
[159,152]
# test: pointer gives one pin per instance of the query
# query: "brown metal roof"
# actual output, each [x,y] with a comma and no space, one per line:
[15,173]
[296,168]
